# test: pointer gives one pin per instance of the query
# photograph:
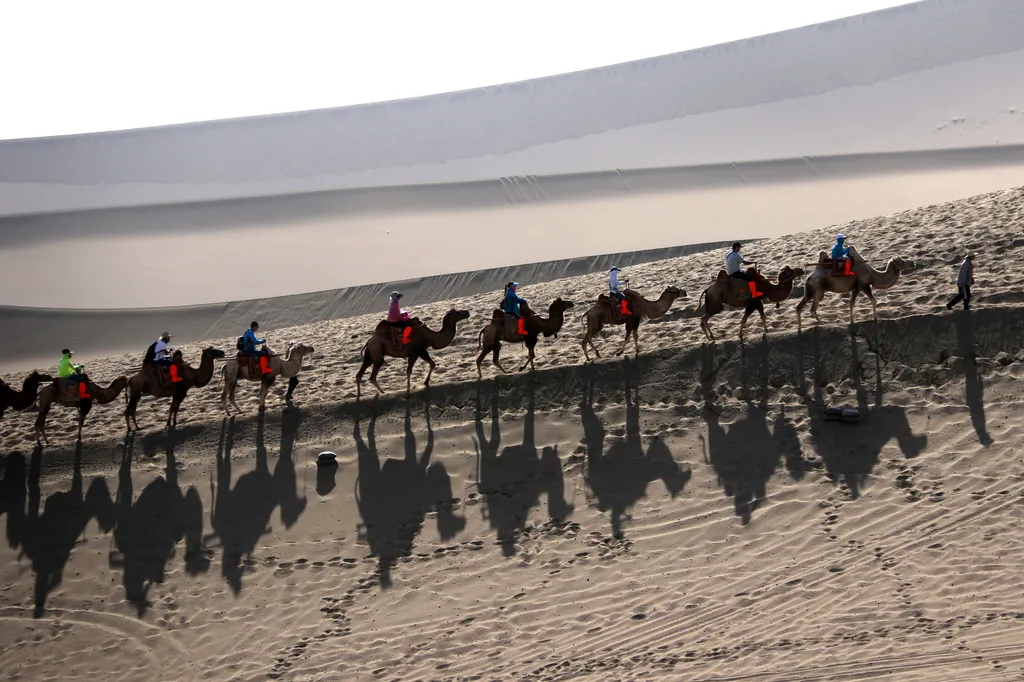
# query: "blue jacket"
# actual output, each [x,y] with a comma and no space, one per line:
[512,302]
[249,341]
[840,251]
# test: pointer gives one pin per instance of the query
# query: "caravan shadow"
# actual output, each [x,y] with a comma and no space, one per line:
[511,483]
[618,477]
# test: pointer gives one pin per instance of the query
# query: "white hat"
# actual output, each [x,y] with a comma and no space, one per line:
[840,236]
[396,295]
[614,269]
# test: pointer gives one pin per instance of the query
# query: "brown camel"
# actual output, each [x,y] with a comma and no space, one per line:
[66,393]
[864,279]
[287,367]
[601,313]
[735,292]
[421,339]
[499,330]
[26,397]
[148,382]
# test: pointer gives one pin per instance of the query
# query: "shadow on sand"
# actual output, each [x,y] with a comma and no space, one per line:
[618,477]
[395,497]
[241,514]
[148,529]
[48,536]
[512,483]
[850,452]
[745,452]
[974,385]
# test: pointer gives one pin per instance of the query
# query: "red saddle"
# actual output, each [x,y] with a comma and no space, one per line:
[620,310]
[71,392]
[840,268]
[256,365]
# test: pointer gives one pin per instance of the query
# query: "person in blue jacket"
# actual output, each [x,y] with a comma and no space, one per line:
[511,304]
[249,343]
[841,253]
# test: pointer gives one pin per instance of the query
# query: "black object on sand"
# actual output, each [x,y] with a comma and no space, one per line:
[849,415]
[326,459]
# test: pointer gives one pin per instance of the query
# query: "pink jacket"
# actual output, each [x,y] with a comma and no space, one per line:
[395,313]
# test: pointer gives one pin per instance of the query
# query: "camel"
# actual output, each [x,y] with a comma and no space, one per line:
[54,392]
[865,278]
[147,382]
[383,344]
[640,308]
[287,367]
[26,397]
[496,331]
[735,292]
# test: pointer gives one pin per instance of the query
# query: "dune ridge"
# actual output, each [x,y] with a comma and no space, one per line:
[841,76]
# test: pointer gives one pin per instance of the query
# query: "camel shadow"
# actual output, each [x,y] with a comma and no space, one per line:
[745,453]
[512,483]
[394,498]
[618,477]
[148,529]
[13,496]
[850,452]
[974,385]
[241,514]
[50,536]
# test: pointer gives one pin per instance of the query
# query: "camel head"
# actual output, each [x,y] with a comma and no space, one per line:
[675,292]
[456,315]
[787,274]
[560,305]
[40,377]
[303,349]
[216,353]
[901,263]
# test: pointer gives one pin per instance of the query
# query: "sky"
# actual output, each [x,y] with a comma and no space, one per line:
[73,67]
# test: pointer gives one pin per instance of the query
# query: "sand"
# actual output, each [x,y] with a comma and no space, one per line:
[689,513]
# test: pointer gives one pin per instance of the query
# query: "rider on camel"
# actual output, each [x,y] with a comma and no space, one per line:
[249,343]
[399,318]
[734,263]
[510,304]
[71,372]
[159,352]
[841,254]
[613,289]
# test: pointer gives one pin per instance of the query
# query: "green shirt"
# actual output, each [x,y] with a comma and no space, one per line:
[65,368]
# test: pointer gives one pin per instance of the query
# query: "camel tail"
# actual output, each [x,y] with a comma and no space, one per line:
[700,300]
[480,339]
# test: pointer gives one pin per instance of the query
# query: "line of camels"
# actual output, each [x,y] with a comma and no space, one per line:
[388,340]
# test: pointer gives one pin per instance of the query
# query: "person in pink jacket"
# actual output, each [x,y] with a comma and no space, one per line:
[395,313]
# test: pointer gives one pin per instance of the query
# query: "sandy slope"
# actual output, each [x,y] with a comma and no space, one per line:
[688,514]
[876,82]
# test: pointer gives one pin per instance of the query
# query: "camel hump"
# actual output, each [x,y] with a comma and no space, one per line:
[498,314]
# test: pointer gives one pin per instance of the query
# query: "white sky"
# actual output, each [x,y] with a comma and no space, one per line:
[68,66]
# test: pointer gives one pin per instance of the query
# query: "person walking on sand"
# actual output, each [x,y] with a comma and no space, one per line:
[964,281]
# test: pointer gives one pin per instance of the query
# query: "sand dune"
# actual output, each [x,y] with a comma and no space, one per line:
[874,83]
[690,513]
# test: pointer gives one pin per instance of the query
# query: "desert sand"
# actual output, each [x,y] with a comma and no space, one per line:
[688,513]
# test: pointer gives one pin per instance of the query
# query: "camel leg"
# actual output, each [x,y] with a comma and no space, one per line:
[44,410]
[625,341]
[373,375]
[496,359]
[636,339]
[224,397]
[594,348]
[853,299]
[529,359]
[231,397]
[874,305]
[425,356]
[479,362]
[408,374]
[586,340]
[705,327]
[799,309]
[83,412]
[367,361]
[129,412]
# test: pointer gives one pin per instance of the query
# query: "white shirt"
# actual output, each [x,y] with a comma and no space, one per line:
[733,262]
[160,351]
[613,280]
